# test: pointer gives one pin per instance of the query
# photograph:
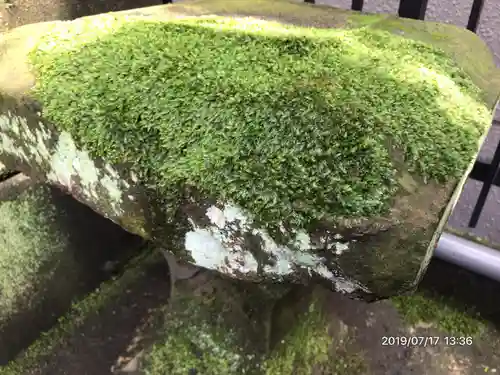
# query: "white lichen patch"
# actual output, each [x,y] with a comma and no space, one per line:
[9,147]
[207,250]
[11,124]
[66,163]
[340,247]
[221,247]
[216,217]
[15,123]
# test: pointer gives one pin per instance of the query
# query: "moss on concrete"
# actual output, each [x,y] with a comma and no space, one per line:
[209,334]
[457,42]
[262,114]
[195,343]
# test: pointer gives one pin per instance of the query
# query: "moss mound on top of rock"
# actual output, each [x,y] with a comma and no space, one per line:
[288,122]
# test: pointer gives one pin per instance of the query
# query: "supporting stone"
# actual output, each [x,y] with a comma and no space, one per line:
[209,328]
[52,249]
[178,270]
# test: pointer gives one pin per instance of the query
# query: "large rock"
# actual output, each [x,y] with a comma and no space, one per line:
[266,148]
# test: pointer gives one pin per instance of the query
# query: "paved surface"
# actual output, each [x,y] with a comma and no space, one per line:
[488,226]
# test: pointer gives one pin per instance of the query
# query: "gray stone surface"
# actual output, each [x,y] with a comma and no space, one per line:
[454,12]
[381,6]
[490,145]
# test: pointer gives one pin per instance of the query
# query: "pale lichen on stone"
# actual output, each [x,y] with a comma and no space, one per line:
[64,161]
[10,124]
[221,246]
[68,162]
[207,249]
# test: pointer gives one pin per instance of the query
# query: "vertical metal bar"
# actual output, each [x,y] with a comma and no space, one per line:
[412,9]
[357,5]
[493,173]
[475,15]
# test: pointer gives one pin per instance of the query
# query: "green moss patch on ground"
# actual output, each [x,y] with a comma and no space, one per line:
[190,343]
[309,348]
[31,250]
[54,339]
[205,329]
[261,114]
[441,312]
[200,334]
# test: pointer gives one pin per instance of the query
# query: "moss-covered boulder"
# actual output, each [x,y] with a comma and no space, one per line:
[51,251]
[271,139]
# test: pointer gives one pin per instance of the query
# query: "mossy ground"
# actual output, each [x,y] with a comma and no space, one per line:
[309,348]
[204,328]
[193,340]
[29,361]
[259,113]
[196,330]
[442,312]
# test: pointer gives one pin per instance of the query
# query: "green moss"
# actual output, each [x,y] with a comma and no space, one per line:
[202,346]
[31,250]
[309,348]
[92,304]
[285,121]
[206,334]
[441,312]
[457,42]
[202,333]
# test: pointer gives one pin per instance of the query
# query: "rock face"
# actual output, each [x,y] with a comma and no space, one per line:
[207,329]
[51,249]
[281,171]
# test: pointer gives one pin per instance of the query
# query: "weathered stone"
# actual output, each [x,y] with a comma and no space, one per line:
[51,251]
[209,329]
[365,257]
